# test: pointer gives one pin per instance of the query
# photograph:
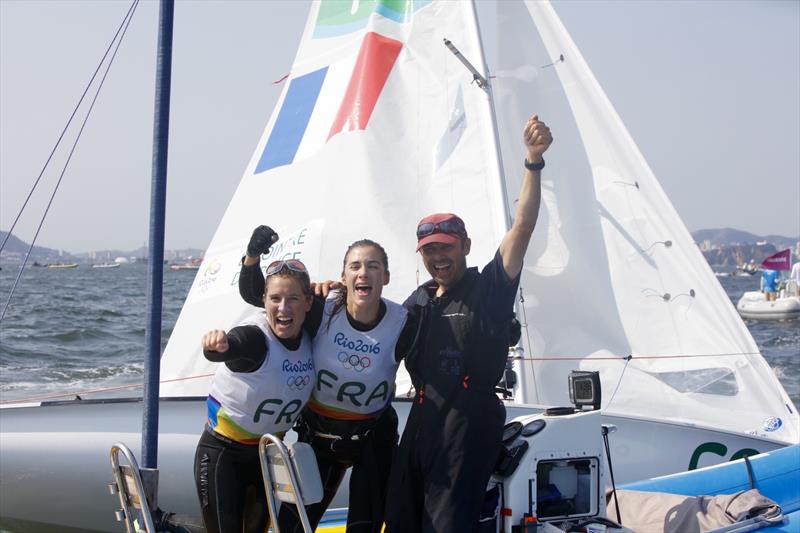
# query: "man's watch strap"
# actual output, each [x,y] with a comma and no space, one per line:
[534,166]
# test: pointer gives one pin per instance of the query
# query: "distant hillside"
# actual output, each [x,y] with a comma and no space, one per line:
[726,247]
[730,236]
[730,256]
[15,249]
[729,248]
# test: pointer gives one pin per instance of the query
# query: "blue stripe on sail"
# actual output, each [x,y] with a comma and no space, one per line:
[292,120]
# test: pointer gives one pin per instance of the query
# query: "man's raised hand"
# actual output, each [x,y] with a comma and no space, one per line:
[537,139]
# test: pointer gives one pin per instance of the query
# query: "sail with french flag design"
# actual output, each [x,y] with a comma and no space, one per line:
[341,96]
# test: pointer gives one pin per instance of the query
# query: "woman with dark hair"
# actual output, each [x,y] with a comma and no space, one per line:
[262,387]
[349,419]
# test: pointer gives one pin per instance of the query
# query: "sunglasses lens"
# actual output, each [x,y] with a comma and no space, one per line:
[291,264]
[296,265]
[445,226]
[274,267]
[451,226]
[425,229]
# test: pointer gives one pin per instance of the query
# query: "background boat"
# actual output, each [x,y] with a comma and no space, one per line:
[753,305]
[193,264]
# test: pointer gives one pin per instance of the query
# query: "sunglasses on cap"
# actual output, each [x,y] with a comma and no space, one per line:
[289,264]
[451,225]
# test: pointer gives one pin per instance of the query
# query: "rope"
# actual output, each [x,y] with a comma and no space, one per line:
[95,391]
[69,158]
[626,357]
[74,111]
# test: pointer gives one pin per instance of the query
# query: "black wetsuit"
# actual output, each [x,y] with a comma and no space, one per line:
[370,454]
[228,473]
[453,435]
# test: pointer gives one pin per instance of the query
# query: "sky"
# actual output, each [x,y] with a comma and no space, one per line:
[709,90]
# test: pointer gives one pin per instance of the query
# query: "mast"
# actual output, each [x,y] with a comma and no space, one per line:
[158,193]
[503,225]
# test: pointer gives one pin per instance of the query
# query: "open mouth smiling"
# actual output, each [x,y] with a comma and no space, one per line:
[363,289]
[283,321]
[441,268]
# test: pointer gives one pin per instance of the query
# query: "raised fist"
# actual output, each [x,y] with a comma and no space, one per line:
[537,139]
[262,239]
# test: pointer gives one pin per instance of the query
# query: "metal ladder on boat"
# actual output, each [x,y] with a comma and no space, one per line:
[135,489]
[291,476]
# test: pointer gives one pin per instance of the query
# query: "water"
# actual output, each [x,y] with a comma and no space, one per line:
[80,329]
[83,329]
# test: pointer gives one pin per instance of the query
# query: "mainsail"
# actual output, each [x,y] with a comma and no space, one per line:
[379,124]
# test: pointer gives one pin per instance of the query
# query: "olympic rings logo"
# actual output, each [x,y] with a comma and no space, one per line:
[354,361]
[298,382]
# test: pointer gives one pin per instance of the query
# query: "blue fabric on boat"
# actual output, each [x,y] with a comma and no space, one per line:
[776,473]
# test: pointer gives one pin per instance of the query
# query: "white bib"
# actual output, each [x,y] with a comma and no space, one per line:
[244,405]
[355,369]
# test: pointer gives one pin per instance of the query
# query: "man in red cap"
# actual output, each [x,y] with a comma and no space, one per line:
[453,434]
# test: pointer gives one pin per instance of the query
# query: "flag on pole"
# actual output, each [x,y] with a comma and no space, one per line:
[779,261]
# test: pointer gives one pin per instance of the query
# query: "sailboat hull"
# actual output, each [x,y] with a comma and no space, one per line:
[55,457]
[753,305]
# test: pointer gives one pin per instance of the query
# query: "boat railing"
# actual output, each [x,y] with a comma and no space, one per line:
[135,488]
[291,476]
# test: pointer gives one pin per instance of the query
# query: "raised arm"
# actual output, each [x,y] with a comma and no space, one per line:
[251,279]
[537,139]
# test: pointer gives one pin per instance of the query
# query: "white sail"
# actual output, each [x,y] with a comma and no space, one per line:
[378,125]
[612,271]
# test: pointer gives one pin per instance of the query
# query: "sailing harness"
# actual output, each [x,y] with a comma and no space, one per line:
[335,441]
[421,391]
[325,431]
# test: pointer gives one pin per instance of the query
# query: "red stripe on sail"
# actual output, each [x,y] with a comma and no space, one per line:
[375,60]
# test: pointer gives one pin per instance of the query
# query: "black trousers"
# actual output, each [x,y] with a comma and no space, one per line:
[371,460]
[229,485]
[444,463]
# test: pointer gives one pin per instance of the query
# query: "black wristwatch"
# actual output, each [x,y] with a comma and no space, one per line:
[534,166]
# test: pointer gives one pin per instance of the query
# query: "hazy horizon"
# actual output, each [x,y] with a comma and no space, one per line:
[707,89]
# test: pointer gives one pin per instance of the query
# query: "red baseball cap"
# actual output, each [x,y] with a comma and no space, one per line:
[445,228]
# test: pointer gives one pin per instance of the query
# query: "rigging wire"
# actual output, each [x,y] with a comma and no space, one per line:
[613,357]
[614,394]
[129,17]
